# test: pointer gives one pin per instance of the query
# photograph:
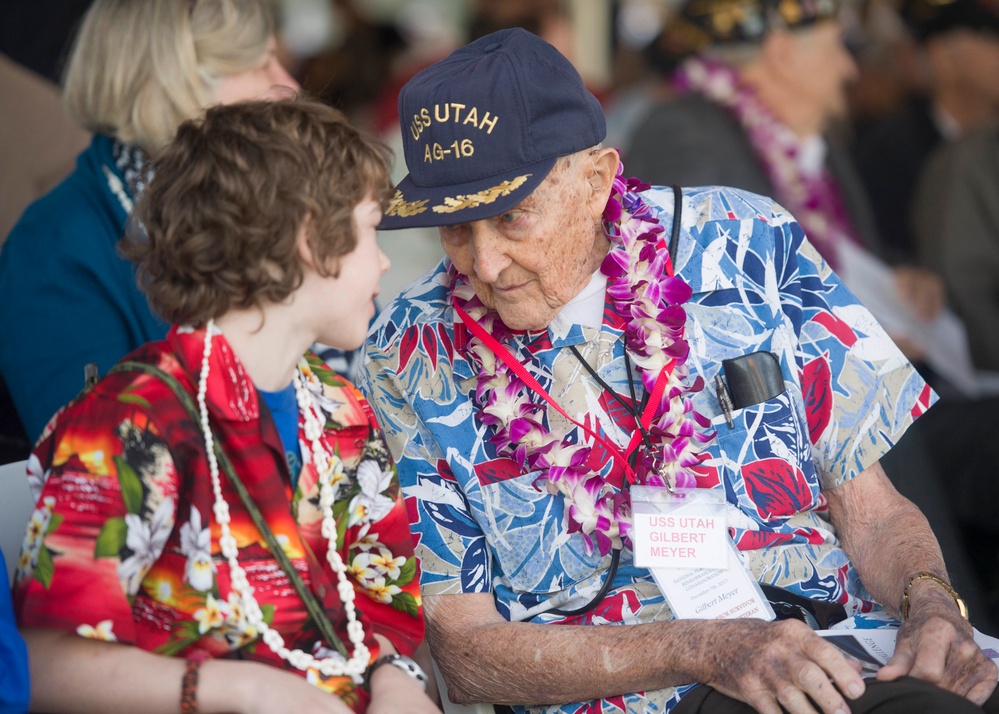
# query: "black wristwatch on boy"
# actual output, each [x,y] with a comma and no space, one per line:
[406,664]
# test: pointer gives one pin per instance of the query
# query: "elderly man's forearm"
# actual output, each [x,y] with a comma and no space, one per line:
[886,536]
[516,663]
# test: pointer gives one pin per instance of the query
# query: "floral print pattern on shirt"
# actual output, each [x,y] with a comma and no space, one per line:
[483,526]
[123,544]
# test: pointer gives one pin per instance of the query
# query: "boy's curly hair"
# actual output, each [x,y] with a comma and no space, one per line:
[216,228]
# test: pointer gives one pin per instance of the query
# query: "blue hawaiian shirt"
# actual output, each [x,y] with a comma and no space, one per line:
[758,285]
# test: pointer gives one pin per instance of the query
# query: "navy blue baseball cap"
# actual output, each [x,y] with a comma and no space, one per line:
[484,126]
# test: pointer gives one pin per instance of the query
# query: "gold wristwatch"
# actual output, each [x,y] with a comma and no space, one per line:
[903,607]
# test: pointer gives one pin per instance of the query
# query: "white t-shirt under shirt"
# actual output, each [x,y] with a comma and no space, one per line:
[587,308]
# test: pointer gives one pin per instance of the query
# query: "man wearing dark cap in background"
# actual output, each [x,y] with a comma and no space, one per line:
[576,491]
[763,82]
[959,40]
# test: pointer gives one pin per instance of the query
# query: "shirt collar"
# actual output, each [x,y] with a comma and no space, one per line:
[230,393]
[811,158]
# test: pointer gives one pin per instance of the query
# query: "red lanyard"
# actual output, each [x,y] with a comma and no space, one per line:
[651,405]
[517,368]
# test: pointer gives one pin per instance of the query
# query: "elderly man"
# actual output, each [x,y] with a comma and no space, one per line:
[762,84]
[555,364]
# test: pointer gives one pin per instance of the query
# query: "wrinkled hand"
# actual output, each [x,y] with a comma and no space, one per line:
[773,664]
[921,289]
[937,645]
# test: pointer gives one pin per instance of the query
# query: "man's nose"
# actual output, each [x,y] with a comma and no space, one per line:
[488,252]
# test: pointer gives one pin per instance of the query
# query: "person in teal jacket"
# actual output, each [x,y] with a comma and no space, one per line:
[67,298]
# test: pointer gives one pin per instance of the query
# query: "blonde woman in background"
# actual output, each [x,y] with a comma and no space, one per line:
[138,68]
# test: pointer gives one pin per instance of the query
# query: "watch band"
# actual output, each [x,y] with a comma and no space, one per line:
[406,664]
[903,607]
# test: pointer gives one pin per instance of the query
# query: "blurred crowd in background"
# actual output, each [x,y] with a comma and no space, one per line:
[356,54]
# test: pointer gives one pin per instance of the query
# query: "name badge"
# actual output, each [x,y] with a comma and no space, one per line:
[689,536]
[682,537]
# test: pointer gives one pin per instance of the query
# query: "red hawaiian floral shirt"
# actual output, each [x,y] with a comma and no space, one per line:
[123,544]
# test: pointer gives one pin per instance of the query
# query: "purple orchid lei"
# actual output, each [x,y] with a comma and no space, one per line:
[815,201]
[650,298]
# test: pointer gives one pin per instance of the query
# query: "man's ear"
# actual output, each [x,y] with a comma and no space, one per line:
[600,172]
[779,52]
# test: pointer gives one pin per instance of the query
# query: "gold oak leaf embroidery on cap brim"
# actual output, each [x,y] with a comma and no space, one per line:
[452,205]
[399,206]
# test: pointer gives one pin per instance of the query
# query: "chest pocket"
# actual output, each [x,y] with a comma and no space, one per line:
[766,462]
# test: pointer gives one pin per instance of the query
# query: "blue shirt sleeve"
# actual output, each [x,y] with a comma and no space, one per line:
[15,687]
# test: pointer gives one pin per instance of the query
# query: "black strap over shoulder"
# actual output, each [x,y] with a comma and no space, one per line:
[312,605]
[674,236]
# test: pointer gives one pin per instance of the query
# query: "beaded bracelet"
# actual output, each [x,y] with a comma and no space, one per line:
[189,684]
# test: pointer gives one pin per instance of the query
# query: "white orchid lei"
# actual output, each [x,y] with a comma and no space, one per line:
[814,200]
[650,298]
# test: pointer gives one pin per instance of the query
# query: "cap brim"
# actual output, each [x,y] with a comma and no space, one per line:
[415,206]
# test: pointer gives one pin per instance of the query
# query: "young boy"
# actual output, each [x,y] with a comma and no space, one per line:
[218,497]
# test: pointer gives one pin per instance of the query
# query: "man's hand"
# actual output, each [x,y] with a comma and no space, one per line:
[937,645]
[888,540]
[770,665]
